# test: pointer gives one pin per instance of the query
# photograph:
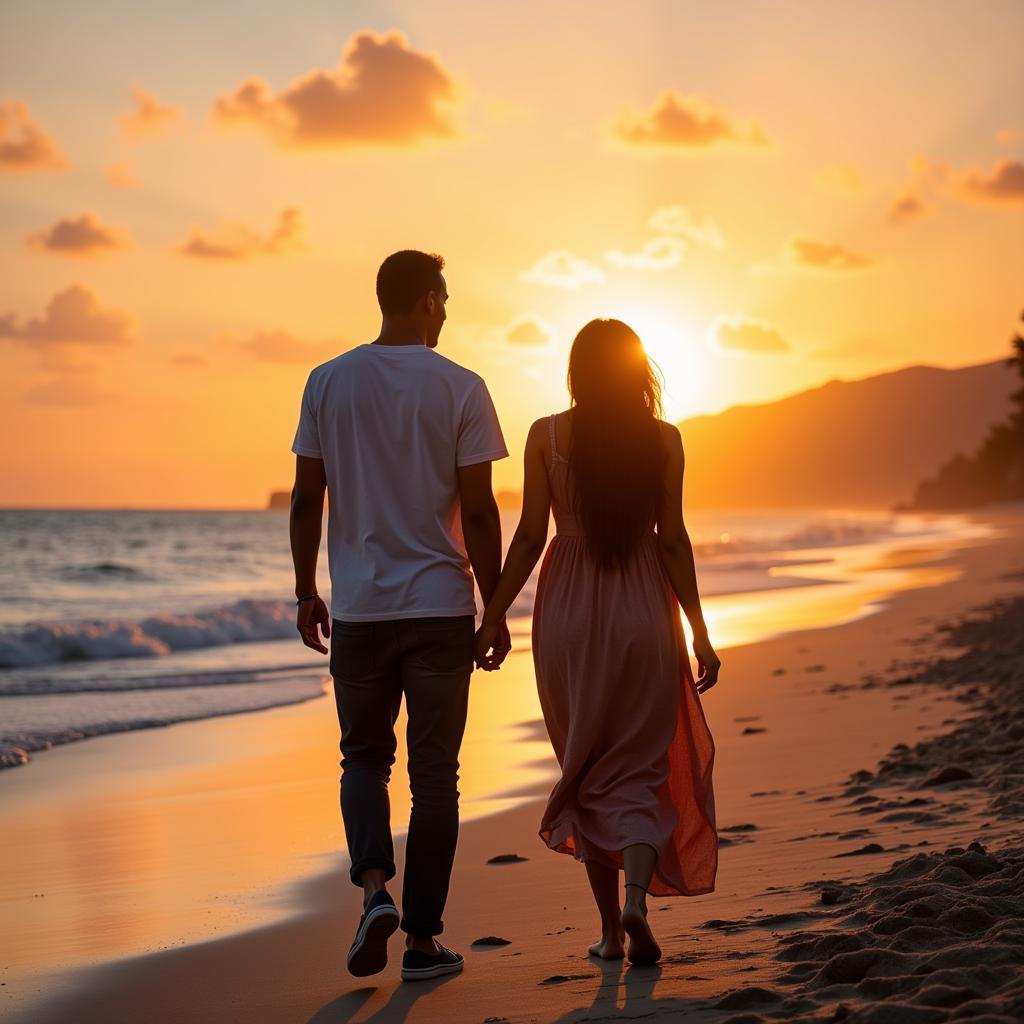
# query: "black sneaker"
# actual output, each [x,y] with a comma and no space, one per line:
[417,966]
[369,952]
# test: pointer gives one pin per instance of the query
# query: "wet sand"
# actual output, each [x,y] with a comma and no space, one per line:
[795,718]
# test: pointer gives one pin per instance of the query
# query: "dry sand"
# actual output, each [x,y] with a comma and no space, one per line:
[939,935]
[830,905]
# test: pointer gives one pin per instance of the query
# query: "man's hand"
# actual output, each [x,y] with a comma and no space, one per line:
[707,662]
[309,616]
[492,646]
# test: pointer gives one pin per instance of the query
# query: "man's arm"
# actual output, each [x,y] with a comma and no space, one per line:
[305,523]
[481,530]
[481,525]
[526,548]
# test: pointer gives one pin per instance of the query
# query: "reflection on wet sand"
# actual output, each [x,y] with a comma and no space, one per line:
[157,838]
[868,575]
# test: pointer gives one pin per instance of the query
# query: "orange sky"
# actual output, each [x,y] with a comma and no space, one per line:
[195,199]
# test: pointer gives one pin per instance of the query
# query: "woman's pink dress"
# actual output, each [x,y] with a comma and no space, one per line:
[622,709]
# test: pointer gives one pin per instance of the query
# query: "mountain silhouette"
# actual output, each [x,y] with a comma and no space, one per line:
[859,443]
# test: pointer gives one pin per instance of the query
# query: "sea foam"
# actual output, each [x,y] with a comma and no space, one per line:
[46,643]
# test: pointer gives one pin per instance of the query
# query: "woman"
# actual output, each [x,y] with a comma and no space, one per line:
[619,700]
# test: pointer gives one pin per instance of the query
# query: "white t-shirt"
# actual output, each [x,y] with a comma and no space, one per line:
[392,423]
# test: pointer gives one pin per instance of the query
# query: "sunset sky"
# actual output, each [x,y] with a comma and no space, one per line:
[195,198]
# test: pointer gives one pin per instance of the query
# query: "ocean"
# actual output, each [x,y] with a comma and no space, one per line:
[128,619]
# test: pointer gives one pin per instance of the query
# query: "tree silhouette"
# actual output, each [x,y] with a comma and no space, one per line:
[996,470]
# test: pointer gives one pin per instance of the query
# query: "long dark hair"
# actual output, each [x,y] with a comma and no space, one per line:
[616,458]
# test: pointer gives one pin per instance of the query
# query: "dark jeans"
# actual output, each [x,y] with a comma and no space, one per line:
[429,660]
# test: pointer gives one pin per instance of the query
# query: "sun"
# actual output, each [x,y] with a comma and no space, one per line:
[674,343]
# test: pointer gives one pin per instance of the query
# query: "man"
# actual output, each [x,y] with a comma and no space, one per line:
[402,440]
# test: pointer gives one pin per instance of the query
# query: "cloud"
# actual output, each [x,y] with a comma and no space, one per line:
[739,332]
[235,242]
[824,256]
[282,347]
[187,359]
[817,257]
[907,207]
[661,253]
[121,174]
[73,316]
[842,178]
[678,220]
[914,201]
[383,93]
[1004,184]
[67,391]
[84,235]
[24,146]
[150,118]
[685,122]
[560,269]
[529,330]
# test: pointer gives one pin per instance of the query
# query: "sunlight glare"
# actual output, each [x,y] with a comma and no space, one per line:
[673,342]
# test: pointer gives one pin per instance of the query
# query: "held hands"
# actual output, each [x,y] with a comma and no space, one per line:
[309,615]
[492,646]
[707,661]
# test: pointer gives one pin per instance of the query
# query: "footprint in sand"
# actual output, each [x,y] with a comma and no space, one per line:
[869,848]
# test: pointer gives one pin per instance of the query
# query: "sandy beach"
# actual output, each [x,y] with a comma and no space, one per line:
[869,793]
[329,329]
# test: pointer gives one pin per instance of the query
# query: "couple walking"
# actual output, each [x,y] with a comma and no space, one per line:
[402,440]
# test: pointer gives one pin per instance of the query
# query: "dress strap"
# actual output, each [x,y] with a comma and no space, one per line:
[555,457]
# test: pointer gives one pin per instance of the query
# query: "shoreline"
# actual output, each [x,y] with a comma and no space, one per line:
[795,588]
[306,945]
[19,752]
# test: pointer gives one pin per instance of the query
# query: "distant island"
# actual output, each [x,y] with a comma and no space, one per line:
[280,499]
[995,472]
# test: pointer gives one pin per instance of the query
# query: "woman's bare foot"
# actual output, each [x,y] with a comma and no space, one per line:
[610,946]
[643,948]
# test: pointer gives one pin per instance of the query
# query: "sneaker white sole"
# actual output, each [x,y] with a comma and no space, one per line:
[369,952]
[426,973]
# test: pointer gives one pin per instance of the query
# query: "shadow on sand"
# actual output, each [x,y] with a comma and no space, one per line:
[394,1011]
[637,984]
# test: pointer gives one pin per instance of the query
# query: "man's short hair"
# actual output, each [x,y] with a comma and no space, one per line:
[406,276]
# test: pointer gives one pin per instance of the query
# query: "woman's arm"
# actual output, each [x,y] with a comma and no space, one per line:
[527,543]
[677,557]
